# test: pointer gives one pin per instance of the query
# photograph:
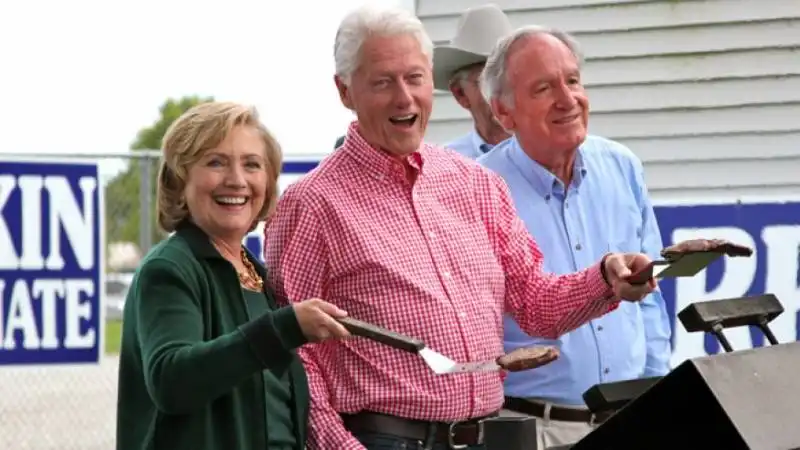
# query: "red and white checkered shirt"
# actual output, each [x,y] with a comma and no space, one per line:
[440,259]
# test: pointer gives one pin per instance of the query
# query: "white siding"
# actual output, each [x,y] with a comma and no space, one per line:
[707,93]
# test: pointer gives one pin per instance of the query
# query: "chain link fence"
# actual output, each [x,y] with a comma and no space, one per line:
[74,407]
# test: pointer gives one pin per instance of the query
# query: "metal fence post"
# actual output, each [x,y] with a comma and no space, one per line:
[145,206]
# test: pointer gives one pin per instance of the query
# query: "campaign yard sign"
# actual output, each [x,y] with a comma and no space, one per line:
[772,229]
[51,262]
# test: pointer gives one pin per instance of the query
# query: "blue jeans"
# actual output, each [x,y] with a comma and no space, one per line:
[381,441]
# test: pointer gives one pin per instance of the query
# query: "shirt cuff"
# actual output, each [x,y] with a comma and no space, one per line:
[274,335]
[289,329]
[599,289]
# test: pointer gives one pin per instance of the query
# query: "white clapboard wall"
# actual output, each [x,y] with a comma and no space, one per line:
[706,92]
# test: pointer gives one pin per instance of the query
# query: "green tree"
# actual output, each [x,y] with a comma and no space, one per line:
[122,193]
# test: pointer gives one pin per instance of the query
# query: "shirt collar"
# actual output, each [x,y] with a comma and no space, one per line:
[376,161]
[479,143]
[542,180]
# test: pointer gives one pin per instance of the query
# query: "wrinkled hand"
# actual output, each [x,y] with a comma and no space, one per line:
[317,319]
[619,266]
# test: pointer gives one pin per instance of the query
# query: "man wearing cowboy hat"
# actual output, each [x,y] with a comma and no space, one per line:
[457,66]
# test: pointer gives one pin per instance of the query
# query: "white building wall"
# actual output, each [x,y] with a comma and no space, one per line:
[706,92]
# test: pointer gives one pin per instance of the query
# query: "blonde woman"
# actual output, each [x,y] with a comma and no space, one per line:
[207,360]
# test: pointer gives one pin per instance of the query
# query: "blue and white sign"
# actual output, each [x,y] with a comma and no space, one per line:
[51,263]
[773,230]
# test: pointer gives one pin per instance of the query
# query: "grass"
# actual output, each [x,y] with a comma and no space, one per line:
[113,336]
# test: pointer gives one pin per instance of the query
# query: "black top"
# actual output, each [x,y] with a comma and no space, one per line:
[277,388]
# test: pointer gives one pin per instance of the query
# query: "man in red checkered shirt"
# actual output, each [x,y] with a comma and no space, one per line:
[419,240]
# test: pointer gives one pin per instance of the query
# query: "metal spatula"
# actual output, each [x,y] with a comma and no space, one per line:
[688,258]
[437,362]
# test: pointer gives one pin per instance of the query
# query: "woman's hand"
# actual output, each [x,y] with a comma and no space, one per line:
[317,319]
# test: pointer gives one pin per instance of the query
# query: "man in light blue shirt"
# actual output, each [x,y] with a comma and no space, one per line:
[457,67]
[581,196]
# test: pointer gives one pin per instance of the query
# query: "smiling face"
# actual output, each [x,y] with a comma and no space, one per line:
[391,93]
[226,188]
[550,110]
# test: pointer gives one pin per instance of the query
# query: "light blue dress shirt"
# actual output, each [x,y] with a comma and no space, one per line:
[470,145]
[606,208]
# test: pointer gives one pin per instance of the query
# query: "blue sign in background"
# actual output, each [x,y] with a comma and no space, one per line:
[752,218]
[12,217]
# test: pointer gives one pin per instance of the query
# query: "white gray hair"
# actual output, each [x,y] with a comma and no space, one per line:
[368,21]
[494,78]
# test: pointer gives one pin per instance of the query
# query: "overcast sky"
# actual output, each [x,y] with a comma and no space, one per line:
[83,76]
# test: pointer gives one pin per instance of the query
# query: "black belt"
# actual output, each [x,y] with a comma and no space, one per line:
[455,434]
[536,409]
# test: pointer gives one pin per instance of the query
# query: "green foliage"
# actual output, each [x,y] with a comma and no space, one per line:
[122,193]
[113,336]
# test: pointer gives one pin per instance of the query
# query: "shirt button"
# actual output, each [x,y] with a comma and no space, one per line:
[432,235]
[606,370]
[447,274]
[578,246]
[599,328]
[462,314]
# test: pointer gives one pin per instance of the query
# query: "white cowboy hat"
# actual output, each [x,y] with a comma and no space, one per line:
[478,30]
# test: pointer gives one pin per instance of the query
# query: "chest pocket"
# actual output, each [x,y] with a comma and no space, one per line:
[625,227]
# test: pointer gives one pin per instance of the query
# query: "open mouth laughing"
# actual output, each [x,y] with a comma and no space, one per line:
[231,201]
[405,121]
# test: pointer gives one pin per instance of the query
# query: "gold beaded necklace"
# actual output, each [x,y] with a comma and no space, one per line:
[250,277]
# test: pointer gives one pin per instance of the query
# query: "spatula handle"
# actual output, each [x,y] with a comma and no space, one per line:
[382,335]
